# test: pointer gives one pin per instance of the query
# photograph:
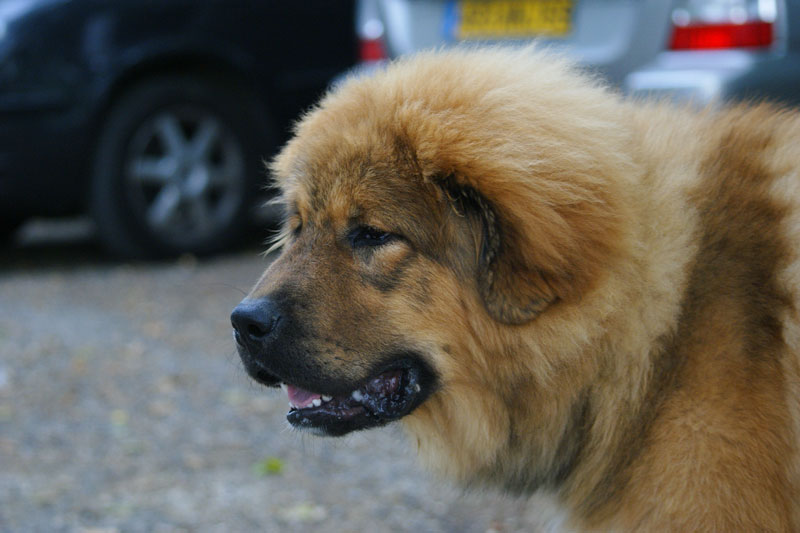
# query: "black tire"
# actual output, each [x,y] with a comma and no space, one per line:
[177,168]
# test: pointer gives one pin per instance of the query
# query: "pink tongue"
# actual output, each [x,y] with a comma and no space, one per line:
[300,398]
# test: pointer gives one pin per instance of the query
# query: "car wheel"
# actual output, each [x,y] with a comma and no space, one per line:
[177,168]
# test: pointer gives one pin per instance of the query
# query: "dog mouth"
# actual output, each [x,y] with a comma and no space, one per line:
[387,396]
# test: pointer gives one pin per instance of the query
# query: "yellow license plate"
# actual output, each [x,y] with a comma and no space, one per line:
[489,19]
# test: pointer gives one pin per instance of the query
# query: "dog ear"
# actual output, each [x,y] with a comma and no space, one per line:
[542,242]
[513,291]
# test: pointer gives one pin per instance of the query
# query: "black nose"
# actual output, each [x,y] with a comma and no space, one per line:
[253,321]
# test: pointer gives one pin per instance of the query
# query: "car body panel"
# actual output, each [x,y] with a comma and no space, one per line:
[62,63]
[626,42]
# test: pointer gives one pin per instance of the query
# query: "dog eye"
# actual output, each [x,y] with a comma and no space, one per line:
[367,236]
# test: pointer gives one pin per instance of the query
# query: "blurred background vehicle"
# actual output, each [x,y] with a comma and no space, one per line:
[696,50]
[155,116]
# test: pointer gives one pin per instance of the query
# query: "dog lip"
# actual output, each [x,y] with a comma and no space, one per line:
[387,396]
[260,374]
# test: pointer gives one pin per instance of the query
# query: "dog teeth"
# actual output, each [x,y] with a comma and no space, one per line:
[417,388]
[357,395]
[284,387]
[316,402]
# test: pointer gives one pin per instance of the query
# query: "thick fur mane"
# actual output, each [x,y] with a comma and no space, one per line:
[610,287]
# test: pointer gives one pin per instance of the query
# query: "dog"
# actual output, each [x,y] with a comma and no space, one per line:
[551,287]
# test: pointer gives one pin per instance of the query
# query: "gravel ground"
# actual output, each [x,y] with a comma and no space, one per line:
[123,407]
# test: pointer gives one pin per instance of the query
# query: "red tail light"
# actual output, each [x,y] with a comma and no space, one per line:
[717,36]
[372,49]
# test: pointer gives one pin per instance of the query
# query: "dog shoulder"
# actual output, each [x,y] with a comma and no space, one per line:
[722,443]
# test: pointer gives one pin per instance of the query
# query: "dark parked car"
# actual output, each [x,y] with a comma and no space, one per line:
[155,116]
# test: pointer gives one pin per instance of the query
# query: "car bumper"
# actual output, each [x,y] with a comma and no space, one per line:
[704,78]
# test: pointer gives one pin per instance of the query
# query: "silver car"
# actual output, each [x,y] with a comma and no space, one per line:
[697,50]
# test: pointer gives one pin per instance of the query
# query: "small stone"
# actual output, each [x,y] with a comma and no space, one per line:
[119,418]
[308,513]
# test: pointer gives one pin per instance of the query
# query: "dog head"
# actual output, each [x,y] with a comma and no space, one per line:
[438,213]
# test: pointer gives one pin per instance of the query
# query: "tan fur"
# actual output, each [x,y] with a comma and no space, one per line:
[606,290]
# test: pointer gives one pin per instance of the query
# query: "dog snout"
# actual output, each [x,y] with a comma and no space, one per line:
[255,322]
